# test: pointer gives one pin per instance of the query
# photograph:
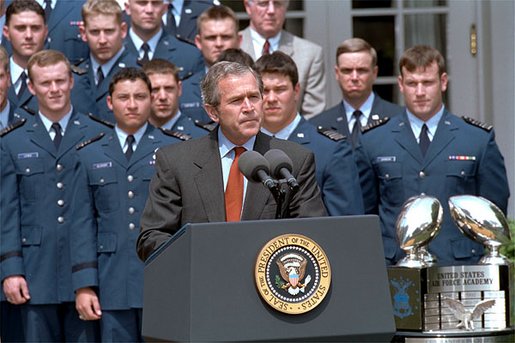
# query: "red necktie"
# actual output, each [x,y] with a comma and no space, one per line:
[234,190]
[266,48]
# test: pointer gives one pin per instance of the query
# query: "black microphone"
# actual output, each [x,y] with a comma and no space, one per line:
[281,167]
[256,168]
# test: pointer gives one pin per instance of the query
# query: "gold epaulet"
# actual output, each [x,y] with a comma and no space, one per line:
[89,141]
[206,126]
[477,123]
[13,126]
[375,124]
[101,121]
[331,134]
[177,134]
[78,70]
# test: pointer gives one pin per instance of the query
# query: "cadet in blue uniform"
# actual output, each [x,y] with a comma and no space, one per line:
[185,14]
[38,176]
[166,91]
[148,40]
[336,171]
[26,30]
[63,20]
[356,71]
[116,168]
[104,31]
[428,150]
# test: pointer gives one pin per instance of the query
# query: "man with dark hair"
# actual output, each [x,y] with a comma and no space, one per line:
[356,71]
[115,169]
[25,28]
[38,181]
[204,186]
[265,34]
[166,91]
[104,30]
[336,171]
[427,150]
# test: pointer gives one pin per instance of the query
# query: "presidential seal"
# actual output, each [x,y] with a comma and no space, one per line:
[292,273]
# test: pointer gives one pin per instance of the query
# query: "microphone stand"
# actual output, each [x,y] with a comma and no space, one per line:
[279,194]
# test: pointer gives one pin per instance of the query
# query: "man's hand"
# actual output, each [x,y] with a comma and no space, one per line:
[87,304]
[16,290]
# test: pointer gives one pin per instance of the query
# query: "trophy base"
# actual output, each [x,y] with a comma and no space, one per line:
[478,336]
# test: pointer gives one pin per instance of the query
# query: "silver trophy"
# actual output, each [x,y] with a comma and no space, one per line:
[418,223]
[482,221]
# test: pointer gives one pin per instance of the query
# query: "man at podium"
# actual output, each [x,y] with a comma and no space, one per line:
[198,181]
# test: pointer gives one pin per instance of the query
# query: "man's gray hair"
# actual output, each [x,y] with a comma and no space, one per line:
[219,71]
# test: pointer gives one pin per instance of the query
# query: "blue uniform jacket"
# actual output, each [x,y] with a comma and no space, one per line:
[461,159]
[185,125]
[191,9]
[24,102]
[37,183]
[336,118]
[87,97]
[336,171]
[104,253]
[183,55]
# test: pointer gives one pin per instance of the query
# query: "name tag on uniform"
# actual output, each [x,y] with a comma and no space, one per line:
[380,159]
[24,155]
[102,165]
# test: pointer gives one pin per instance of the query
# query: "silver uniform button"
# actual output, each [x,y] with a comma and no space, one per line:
[23,240]
[60,202]
[132,226]
[462,173]
[101,180]
[130,194]
[473,251]
[422,174]
[60,185]
[60,220]
[387,176]
[27,170]
[422,193]
[131,210]
[130,178]
[59,167]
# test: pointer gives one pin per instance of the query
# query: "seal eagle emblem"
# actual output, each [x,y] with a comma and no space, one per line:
[292,273]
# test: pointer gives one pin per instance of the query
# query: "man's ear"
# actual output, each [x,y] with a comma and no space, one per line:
[212,112]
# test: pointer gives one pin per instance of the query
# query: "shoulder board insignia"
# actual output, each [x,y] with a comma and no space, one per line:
[185,40]
[187,76]
[477,123]
[177,134]
[78,70]
[331,134]
[101,121]
[206,126]
[13,126]
[375,124]
[28,110]
[89,141]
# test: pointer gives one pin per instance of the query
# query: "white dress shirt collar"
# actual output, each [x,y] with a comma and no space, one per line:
[286,131]
[432,124]
[258,41]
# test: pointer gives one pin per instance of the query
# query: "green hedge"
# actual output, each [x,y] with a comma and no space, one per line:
[508,250]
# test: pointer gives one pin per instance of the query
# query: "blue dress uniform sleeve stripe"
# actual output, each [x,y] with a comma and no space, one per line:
[10,254]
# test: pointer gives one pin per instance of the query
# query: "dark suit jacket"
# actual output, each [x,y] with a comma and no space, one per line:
[336,118]
[188,188]
[392,169]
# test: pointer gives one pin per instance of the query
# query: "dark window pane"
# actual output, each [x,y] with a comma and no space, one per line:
[387,92]
[380,33]
[360,4]
[426,29]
